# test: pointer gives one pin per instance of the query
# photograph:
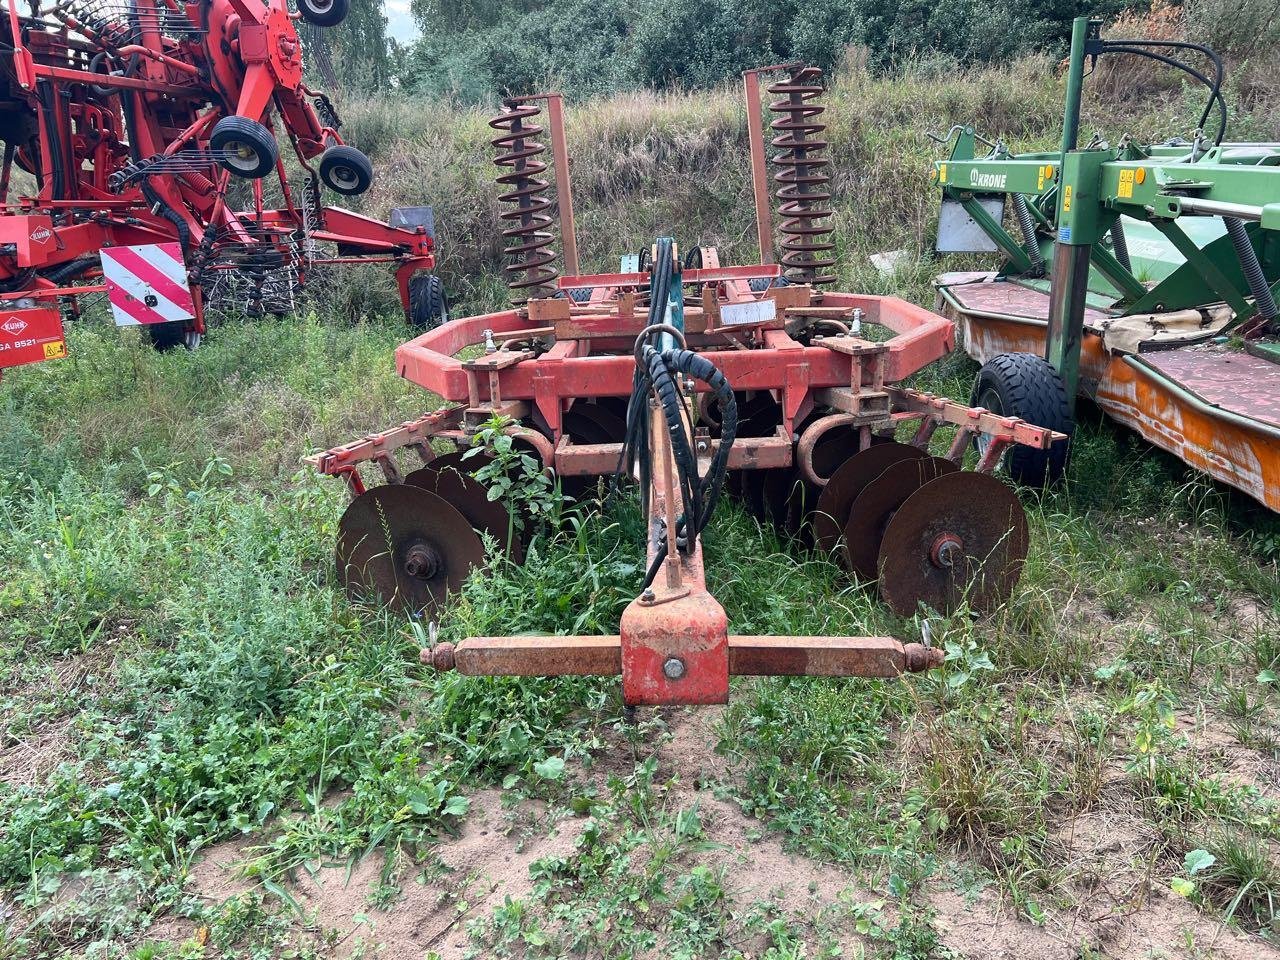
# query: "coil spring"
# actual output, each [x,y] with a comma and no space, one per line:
[805,252]
[530,268]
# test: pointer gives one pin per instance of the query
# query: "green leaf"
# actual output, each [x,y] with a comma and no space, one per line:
[457,806]
[551,768]
[1268,676]
[1182,886]
[422,805]
[1197,860]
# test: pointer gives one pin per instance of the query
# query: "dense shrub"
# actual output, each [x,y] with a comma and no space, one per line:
[473,50]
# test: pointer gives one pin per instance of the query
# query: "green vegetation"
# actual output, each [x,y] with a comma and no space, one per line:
[182,684]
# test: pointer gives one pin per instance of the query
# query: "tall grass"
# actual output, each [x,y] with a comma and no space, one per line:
[646,163]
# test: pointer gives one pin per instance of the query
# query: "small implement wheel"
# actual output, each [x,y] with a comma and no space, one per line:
[1025,385]
[346,170]
[245,147]
[428,303]
[324,13]
[167,336]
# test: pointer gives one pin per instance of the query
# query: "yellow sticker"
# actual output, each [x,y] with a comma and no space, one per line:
[1066,198]
[942,173]
[1126,185]
[1040,177]
[55,350]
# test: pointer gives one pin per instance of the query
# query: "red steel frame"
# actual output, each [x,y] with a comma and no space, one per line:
[186,67]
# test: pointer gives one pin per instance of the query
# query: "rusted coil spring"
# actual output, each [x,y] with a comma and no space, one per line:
[804,193]
[530,268]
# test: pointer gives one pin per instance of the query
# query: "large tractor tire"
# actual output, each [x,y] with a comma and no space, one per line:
[428,303]
[1027,386]
[247,148]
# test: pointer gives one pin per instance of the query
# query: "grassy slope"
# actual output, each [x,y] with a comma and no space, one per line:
[177,668]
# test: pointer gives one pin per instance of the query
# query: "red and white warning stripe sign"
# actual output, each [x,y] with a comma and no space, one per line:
[147,284]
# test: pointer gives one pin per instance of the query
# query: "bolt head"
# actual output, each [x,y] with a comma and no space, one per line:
[673,668]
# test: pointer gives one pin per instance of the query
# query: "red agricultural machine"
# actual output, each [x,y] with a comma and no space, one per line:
[149,128]
[694,378]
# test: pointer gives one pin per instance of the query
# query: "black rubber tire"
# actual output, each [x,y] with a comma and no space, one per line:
[580,294]
[1025,385]
[257,150]
[346,170]
[324,14]
[428,302]
[167,336]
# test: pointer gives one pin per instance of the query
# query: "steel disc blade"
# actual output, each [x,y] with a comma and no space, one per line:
[614,427]
[753,493]
[960,538]
[834,448]
[800,503]
[759,416]
[775,493]
[458,460]
[406,546]
[872,509]
[581,428]
[849,480]
[469,497]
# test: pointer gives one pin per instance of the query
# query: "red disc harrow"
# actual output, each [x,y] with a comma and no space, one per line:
[696,377]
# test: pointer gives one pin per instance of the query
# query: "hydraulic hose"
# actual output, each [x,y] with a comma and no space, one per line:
[658,373]
[1134,48]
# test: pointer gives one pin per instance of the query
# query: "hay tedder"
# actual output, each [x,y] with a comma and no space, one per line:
[1141,276]
[148,128]
[695,378]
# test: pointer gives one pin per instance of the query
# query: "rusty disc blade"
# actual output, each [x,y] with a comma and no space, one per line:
[406,546]
[759,416]
[458,460]
[849,480]
[776,486]
[871,510]
[961,538]
[582,428]
[614,427]
[836,447]
[614,405]
[753,493]
[800,504]
[469,497]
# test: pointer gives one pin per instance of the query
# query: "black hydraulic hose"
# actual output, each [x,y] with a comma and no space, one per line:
[55,141]
[1215,91]
[1215,88]
[73,268]
[1253,274]
[658,375]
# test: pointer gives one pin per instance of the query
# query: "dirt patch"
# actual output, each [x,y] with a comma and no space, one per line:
[986,927]
[1222,757]
[216,874]
[470,875]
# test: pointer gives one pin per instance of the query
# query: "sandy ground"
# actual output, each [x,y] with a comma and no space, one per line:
[1122,910]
